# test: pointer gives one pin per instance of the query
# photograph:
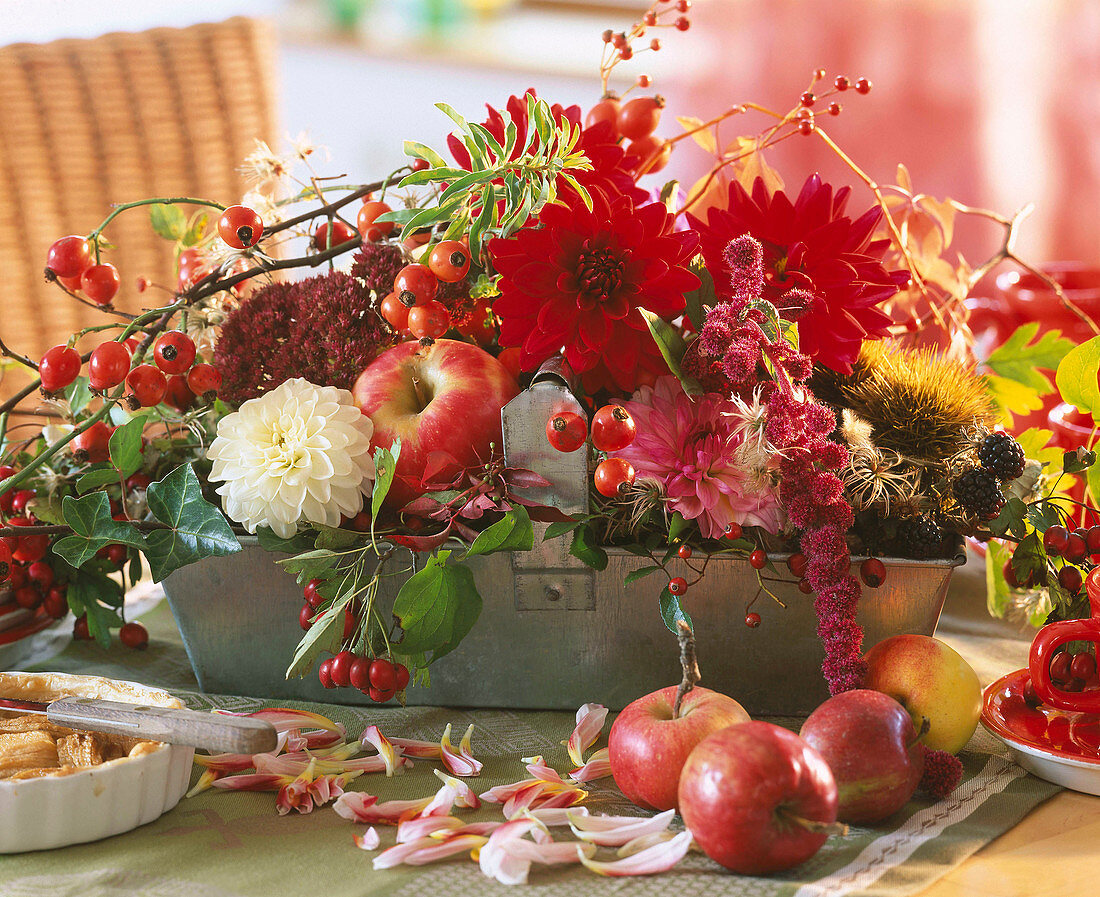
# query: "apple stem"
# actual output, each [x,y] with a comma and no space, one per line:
[417,388]
[812,825]
[925,725]
[688,663]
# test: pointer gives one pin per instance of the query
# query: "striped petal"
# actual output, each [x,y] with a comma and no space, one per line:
[462,761]
[657,858]
[615,831]
[427,827]
[386,750]
[369,840]
[421,750]
[426,850]
[590,720]
[598,766]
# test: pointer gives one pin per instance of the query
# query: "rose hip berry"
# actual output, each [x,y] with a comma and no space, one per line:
[41,574]
[174,352]
[395,312]
[204,380]
[70,256]
[415,284]
[368,213]
[752,620]
[100,283]
[873,572]
[93,445]
[240,227]
[134,635]
[178,394]
[684,552]
[108,366]
[640,117]
[733,531]
[28,597]
[147,384]
[613,477]
[677,585]
[566,431]
[341,233]
[613,428]
[59,367]
[758,559]
[796,563]
[429,320]
[449,261]
[605,111]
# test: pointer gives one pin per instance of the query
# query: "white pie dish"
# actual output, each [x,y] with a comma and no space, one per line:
[89,804]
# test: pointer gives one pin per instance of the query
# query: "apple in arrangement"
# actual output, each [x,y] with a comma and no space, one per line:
[931,681]
[443,398]
[647,746]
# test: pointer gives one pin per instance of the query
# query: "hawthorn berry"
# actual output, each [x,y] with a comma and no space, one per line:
[80,629]
[368,213]
[402,673]
[752,620]
[449,261]
[41,574]
[100,283]
[1075,549]
[873,572]
[108,366]
[613,477]
[341,668]
[684,552]
[324,673]
[240,227]
[147,384]
[70,256]
[359,673]
[305,617]
[613,428]
[566,431]
[1055,539]
[380,696]
[59,367]
[382,675]
[56,603]
[312,596]
[134,635]
[174,352]
[1070,579]
[758,559]
[732,531]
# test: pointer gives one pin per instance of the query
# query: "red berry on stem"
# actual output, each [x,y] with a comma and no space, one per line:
[59,367]
[108,366]
[806,126]
[179,394]
[733,531]
[41,574]
[204,380]
[1070,579]
[807,99]
[359,675]
[752,620]
[640,117]
[70,256]
[134,635]
[677,585]
[613,428]
[1060,666]
[684,551]
[28,597]
[834,108]
[380,696]
[873,572]
[55,603]
[605,111]
[341,233]
[100,283]
[368,213]
[449,261]
[1092,539]
[174,352]
[683,5]
[415,284]
[796,563]
[350,622]
[863,86]
[93,444]
[1055,539]
[117,554]
[566,431]
[1010,575]
[305,616]
[841,82]
[147,384]
[758,559]
[312,596]
[324,673]
[804,586]
[80,629]
[395,312]
[341,668]
[1075,549]
[240,227]
[20,500]
[652,153]
[655,44]
[613,477]
[402,673]
[429,319]
[382,675]
[683,23]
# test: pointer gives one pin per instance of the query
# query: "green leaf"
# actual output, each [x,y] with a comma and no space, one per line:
[168,220]
[702,297]
[1011,519]
[126,447]
[299,542]
[513,532]
[998,595]
[1010,397]
[561,527]
[100,475]
[93,528]
[316,564]
[78,394]
[1029,560]
[1018,359]
[95,595]
[1077,460]
[676,526]
[1076,376]
[1043,514]
[585,548]
[325,634]
[197,230]
[385,466]
[198,528]
[671,611]
[635,575]
[436,606]
[420,151]
[672,348]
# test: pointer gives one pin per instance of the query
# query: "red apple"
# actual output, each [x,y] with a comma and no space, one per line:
[443,398]
[932,681]
[869,741]
[647,748]
[757,798]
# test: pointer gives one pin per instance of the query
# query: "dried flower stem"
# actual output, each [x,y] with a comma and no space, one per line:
[688,664]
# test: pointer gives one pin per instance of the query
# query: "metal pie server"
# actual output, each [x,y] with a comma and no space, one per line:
[216,732]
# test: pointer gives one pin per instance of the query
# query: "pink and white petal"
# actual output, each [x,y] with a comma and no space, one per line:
[657,858]
[208,777]
[421,750]
[386,750]
[495,859]
[615,831]
[590,720]
[552,817]
[353,804]
[327,788]
[465,748]
[458,763]
[524,798]
[254,782]
[538,768]
[549,853]
[566,798]
[426,850]
[369,840]
[427,827]
[501,793]
[373,763]
[316,739]
[644,841]
[294,796]
[464,794]
[284,719]
[598,766]
[230,762]
[472,828]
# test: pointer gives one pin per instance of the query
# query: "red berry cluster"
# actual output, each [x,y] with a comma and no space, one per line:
[72,261]
[613,429]
[413,307]
[635,121]
[1070,671]
[804,116]
[376,677]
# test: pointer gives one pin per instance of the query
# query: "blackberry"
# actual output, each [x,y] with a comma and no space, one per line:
[1003,455]
[979,493]
[919,537]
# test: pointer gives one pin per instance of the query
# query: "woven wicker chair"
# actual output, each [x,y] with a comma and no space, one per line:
[85,124]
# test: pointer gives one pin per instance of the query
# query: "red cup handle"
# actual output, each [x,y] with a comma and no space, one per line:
[1046,644]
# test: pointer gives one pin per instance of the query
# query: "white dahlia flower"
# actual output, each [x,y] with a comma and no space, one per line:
[300,453]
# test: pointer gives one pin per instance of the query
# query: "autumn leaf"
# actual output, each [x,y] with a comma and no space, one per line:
[703,136]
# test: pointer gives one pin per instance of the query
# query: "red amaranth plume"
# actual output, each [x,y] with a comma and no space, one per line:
[942,773]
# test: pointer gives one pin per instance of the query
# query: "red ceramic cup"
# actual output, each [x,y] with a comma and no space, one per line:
[1046,644]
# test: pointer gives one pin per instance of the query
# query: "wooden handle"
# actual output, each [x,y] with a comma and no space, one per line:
[213,731]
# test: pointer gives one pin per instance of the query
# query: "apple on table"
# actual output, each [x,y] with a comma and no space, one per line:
[443,398]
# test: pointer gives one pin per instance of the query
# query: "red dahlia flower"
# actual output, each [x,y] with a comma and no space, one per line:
[810,245]
[576,282]
[612,169]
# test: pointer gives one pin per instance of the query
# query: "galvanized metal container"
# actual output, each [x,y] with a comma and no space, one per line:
[553,633]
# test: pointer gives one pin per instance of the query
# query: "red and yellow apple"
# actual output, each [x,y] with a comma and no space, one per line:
[647,747]
[443,399]
[932,681]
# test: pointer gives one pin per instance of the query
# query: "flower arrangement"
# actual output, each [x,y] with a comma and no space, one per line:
[764,372]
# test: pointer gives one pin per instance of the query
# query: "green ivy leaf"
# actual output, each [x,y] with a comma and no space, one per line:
[126,447]
[585,548]
[95,595]
[198,528]
[436,606]
[93,528]
[1018,359]
[297,543]
[513,532]
[672,347]
[100,475]
[671,611]
[1076,376]
[561,527]
[168,221]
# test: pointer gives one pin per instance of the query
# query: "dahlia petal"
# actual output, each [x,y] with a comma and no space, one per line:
[598,766]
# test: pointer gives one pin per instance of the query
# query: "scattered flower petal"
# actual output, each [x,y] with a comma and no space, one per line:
[555,816]
[463,794]
[427,826]
[658,858]
[597,766]
[426,850]
[643,841]
[615,831]
[372,736]
[369,840]
[590,720]
[460,762]
[208,777]
[497,861]
[255,782]
[421,750]
[284,719]
[472,828]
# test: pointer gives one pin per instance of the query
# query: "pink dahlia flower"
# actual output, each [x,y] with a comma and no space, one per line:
[695,450]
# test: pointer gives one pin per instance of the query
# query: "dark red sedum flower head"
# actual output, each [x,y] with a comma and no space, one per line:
[810,245]
[577,281]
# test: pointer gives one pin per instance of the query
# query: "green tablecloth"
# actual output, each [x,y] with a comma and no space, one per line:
[235,845]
